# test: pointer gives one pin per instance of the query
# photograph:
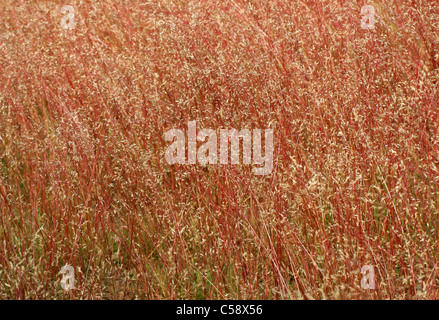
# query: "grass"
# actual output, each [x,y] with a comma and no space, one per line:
[83,176]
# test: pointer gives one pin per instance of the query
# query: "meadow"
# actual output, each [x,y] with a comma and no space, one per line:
[84,180]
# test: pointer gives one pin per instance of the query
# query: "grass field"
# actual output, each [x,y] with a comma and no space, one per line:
[84,180]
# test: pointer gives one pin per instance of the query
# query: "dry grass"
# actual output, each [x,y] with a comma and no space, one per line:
[84,181]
